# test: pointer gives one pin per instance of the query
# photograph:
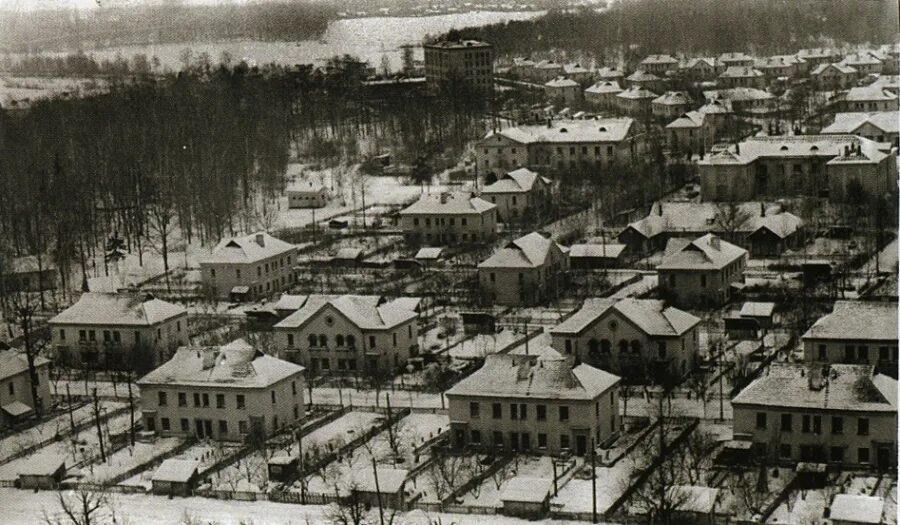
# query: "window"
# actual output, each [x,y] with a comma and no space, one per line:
[474,410]
[196,399]
[223,427]
[563,413]
[106,336]
[92,335]
[513,411]
[242,427]
[220,400]
[212,273]
[849,353]
[882,353]
[702,281]
[817,424]
[163,400]
[272,394]
[496,411]
[564,441]
[498,439]
[296,412]
[760,420]
[290,339]
[568,346]
[240,401]
[672,280]
[185,426]
[165,424]
[862,426]
[837,454]
[395,338]
[862,354]
[82,335]
[806,424]
[837,425]
[822,352]
[785,422]
[371,341]
[862,455]
[542,412]
[784,451]
[12,389]
[62,335]
[476,437]
[182,399]
[293,388]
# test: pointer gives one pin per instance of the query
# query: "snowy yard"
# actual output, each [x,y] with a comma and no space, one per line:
[575,496]
[481,345]
[488,493]
[206,452]
[127,458]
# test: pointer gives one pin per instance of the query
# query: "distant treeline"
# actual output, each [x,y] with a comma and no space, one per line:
[56,29]
[79,64]
[697,26]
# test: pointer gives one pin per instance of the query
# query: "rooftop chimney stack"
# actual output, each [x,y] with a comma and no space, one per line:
[261,240]
[714,242]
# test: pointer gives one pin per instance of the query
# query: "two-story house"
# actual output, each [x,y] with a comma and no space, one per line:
[841,414]
[702,270]
[449,218]
[527,271]
[603,94]
[670,104]
[833,76]
[16,399]
[563,89]
[118,331]
[252,266]
[659,64]
[734,77]
[227,393]
[868,98]
[537,403]
[518,193]
[636,338]
[635,101]
[646,81]
[879,126]
[860,332]
[350,334]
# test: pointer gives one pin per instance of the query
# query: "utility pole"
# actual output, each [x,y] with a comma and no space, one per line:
[593,483]
[378,492]
[99,427]
[721,387]
[387,400]
[69,401]
[131,407]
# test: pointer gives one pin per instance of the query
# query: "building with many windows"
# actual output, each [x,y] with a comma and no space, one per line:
[540,403]
[449,218]
[118,331]
[841,414]
[527,271]
[638,338]
[247,267]
[449,64]
[860,332]
[225,393]
[518,193]
[350,334]
[700,271]
[880,126]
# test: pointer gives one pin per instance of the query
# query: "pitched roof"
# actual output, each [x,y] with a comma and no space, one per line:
[673,98]
[886,121]
[635,92]
[235,365]
[14,362]
[429,253]
[869,94]
[603,87]
[659,59]
[651,316]
[757,309]
[530,376]
[247,249]
[857,508]
[814,386]
[607,250]
[41,464]
[574,69]
[827,147]
[175,470]
[716,106]
[518,181]
[691,119]
[702,217]
[841,68]
[609,72]
[290,302]
[707,252]
[694,498]
[361,310]
[309,187]
[642,76]
[527,489]
[700,61]
[565,131]
[741,72]
[887,81]
[390,480]
[734,56]
[528,251]
[864,58]
[857,320]
[118,309]
[561,82]
[448,204]
[738,94]
[779,61]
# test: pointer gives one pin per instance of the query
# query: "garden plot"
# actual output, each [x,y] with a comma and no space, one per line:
[612,481]
[481,345]
[446,474]
[488,493]
[128,458]
[207,453]
[29,437]
[84,447]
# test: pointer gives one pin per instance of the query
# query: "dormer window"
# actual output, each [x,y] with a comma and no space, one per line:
[563,130]
[784,148]
[602,129]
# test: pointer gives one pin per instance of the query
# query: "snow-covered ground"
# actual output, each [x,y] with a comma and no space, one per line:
[206,452]
[487,494]
[128,458]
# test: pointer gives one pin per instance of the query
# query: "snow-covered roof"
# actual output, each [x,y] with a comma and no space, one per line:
[705,253]
[637,93]
[716,107]
[734,57]
[235,365]
[517,181]
[175,470]
[534,377]
[609,72]
[527,489]
[309,188]
[659,59]
[861,59]
[701,217]
[757,309]
[609,250]
[887,82]
[694,498]
[815,386]
[528,251]
[575,69]
[41,464]
[840,68]
[390,480]
[849,123]
[778,61]
[604,87]
[857,320]
[857,508]
[691,119]
[247,249]
[448,204]
[429,253]
[673,98]
[827,147]
[869,94]
[362,311]
[118,309]
[651,316]
[642,76]
[567,131]
[700,62]
[738,94]
[348,254]
[290,302]
[14,362]
[741,72]
[561,82]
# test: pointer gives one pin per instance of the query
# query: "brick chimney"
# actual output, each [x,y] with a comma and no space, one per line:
[261,239]
[714,242]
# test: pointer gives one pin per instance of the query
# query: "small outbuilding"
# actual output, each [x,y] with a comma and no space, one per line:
[42,471]
[175,477]
[527,497]
[429,256]
[694,504]
[283,467]
[391,484]
[593,256]
[348,257]
[762,312]
[850,509]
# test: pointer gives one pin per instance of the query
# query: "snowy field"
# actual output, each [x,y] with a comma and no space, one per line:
[127,458]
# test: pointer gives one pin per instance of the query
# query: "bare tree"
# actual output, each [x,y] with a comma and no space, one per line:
[24,307]
[81,507]
[732,219]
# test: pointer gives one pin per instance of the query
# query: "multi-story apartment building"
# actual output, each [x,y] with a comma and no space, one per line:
[860,332]
[841,414]
[833,76]
[670,104]
[307,195]
[636,338]
[691,131]
[644,80]
[349,334]
[811,165]
[817,56]
[868,98]
[252,266]
[451,63]
[118,331]
[449,218]
[540,403]
[16,399]
[865,63]
[782,66]
[635,101]
[744,100]
[702,68]
[225,393]
[609,73]
[562,145]
[564,89]
[741,76]
[518,193]
[700,271]
[737,59]
[879,126]
[603,93]
[525,272]
[659,64]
